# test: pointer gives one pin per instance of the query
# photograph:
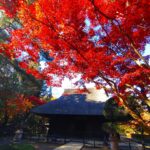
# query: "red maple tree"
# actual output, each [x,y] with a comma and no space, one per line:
[102,40]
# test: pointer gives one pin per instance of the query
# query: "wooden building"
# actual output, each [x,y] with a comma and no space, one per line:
[73,116]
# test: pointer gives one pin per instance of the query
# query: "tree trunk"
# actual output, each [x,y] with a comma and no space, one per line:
[114,141]
[114,145]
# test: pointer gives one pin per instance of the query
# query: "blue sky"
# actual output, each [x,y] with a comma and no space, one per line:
[147,50]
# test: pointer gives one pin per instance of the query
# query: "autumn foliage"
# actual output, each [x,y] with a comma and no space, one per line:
[19,105]
[103,40]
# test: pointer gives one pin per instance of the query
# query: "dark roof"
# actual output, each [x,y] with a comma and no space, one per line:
[75,104]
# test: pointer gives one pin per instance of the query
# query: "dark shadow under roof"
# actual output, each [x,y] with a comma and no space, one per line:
[75,104]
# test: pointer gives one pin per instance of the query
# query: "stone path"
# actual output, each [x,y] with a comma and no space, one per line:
[70,146]
[44,146]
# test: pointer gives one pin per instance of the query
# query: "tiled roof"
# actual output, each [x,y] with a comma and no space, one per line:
[74,104]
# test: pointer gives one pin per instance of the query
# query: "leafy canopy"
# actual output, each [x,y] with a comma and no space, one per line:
[103,40]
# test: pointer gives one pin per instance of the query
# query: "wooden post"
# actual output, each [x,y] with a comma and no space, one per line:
[94,142]
[129,145]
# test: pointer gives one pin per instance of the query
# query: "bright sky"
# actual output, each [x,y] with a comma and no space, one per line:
[147,50]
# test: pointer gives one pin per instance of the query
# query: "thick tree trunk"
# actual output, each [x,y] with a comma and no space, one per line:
[114,145]
[114,141]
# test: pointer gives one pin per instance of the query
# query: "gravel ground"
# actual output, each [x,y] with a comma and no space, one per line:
[52,146]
